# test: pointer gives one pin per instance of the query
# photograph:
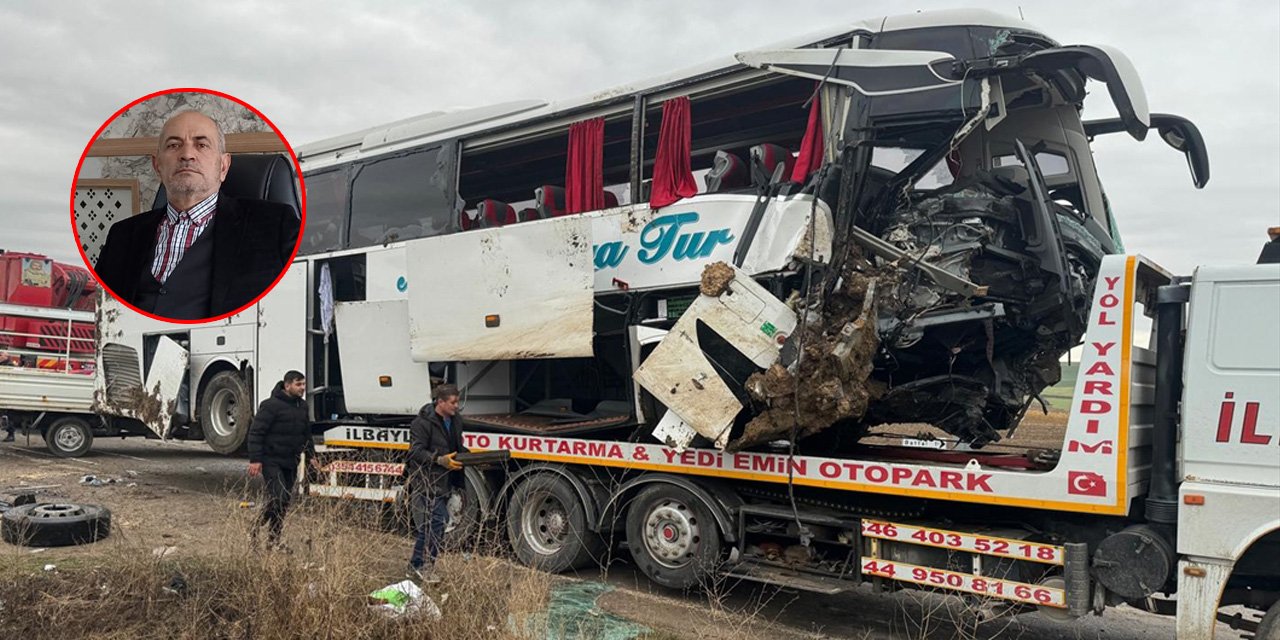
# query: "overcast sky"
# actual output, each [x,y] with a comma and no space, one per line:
[319,69]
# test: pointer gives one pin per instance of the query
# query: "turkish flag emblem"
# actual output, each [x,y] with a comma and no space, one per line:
[1086,483]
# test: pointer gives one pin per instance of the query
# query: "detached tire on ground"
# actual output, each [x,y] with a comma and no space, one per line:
[674,540]
[69,437]
[547,525]
[225,412]
[55,525]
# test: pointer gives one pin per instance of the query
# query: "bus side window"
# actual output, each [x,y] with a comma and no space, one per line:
[399,198]
[326,211]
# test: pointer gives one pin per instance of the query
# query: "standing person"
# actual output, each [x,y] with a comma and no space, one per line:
[435,438]
[6,423]
[279,433]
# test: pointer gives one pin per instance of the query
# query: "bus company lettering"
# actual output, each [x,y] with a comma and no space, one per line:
[665,236]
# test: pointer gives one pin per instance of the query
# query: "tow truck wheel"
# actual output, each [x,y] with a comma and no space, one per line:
[1269,626]
[672,537]
[547,525]
[225,412]
[69,437]
[464,519]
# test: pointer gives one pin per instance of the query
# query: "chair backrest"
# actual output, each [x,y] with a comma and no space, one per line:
[255,177]
[765,159]
[528,213]
[728,172]
[610,199]
[468,219]
[550,201]
[495,213]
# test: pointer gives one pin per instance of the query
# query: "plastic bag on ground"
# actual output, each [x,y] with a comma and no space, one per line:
[405,598]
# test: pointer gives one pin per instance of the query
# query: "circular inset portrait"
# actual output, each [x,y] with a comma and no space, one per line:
[188,205]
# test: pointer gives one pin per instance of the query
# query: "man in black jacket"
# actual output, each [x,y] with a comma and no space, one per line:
[435,438]
[205,253]
[279,434]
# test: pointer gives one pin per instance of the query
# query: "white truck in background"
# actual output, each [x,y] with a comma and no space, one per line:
[47,377]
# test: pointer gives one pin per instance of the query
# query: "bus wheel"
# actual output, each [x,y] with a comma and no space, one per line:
[69,437]
[225,412]
[547,525]
[672,537]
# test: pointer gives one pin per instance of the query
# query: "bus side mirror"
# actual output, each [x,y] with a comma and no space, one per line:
[1183,135]
[1177,131]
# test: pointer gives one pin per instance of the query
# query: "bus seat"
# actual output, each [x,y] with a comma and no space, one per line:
[610,199]
[550,201]
[467,219]
[728,172]
[526,214]
[494,213]
[765,159]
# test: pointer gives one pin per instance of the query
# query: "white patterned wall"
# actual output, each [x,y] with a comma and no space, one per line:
[97,208]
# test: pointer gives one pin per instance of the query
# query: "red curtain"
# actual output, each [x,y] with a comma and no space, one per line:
[672,175]
[584,170]
[811,146]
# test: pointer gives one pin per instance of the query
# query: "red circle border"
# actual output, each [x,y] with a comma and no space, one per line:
[302,187]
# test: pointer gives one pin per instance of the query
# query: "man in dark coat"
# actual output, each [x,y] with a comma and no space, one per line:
[205,253]
[435,438]
[280,433]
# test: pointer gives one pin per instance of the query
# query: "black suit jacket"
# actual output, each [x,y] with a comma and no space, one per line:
[252,243]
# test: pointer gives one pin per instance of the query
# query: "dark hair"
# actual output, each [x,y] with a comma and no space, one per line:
[293,376]
[446,391]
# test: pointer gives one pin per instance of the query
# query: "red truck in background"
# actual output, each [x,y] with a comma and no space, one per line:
[47,350]
[34,280]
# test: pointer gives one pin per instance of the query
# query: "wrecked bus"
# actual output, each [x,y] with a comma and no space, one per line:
[682,304]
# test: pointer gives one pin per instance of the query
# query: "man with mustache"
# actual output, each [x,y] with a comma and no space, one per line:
[205,253]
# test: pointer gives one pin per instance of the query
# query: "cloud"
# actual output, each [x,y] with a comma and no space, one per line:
[324,68]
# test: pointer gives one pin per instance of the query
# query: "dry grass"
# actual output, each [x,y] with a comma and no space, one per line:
[227,590]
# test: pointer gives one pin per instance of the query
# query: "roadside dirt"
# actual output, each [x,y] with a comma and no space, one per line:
[185,503]
[831,385]
[715,279]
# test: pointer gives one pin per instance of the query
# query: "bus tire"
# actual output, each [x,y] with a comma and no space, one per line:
[1269,626]
[673,538]
[547,525]
[54,525]
[226,409]
[69,437]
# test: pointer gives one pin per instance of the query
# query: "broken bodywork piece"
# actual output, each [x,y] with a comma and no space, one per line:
[955,316]
[121,391]
[699,369]
[968,228]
